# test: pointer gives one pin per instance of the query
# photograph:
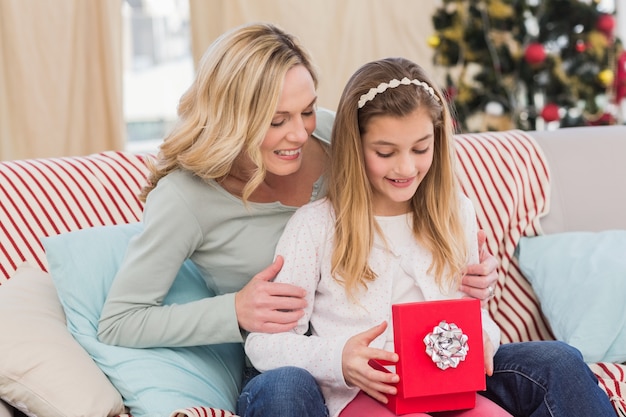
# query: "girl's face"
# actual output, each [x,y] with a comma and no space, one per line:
[293,123]
[398,153]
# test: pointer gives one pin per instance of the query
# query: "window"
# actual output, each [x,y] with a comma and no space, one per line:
[158,68]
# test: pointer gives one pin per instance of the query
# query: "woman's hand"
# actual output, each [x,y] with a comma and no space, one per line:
[479,280]
[489,352]
[269,307]
[356,368]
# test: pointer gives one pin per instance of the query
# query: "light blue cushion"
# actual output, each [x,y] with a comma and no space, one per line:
[153,382]
[580,280]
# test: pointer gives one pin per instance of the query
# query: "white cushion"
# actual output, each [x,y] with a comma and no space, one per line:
[45,372]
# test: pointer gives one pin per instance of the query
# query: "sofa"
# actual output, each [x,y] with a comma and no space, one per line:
[537,195]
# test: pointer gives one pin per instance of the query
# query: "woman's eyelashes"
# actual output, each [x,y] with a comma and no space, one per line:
[281,121]
[277,123]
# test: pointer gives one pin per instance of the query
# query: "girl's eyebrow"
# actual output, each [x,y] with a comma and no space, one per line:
[386,143]
[312,103]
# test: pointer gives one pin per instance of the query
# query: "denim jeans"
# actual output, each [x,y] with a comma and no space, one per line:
[530,379]
[285,392]
[545,379]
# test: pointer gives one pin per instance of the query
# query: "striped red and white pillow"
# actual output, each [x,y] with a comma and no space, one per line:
[44,197]
[506,176]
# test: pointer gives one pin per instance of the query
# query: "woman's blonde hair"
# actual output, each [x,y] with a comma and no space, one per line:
[228,108]
[435,205]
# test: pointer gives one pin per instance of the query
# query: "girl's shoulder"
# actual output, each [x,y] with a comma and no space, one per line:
[321,207]
[465,203]
[317,213]
[467,212]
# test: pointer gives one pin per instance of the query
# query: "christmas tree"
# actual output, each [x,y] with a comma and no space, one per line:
[528,63]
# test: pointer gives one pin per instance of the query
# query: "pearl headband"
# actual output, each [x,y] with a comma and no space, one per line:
[382,87]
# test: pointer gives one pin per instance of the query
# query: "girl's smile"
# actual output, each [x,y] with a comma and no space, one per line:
[401,183]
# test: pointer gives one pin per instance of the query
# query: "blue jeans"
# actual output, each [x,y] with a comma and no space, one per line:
[548,378]
[530,379]
[285,392]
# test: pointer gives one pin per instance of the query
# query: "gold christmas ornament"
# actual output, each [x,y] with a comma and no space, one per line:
[433,41]
[606,77]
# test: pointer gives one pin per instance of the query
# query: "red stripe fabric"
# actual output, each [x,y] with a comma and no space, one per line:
[506,176]
[43,197]
[612,379]
[202,412]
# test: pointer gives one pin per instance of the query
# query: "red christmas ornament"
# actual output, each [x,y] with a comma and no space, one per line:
[535,53]
[580,45]
[550,112]
[606,24]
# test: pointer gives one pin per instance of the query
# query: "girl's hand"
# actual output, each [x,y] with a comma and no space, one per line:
[269,307]
[356,369]
[479,280]
[489,352]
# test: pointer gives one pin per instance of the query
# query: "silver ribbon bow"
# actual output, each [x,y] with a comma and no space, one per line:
[446,345]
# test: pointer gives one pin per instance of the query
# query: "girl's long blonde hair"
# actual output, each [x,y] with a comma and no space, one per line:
[435,205]
[228,108]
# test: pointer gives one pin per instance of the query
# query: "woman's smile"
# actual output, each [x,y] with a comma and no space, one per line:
[289,154]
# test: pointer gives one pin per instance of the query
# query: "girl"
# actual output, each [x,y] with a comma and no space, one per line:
[395,228]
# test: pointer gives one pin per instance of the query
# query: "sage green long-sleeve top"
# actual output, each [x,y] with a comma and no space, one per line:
[186,218]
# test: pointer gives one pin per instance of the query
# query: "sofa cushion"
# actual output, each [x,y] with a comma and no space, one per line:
[580,279]
[44,371]
[156,381]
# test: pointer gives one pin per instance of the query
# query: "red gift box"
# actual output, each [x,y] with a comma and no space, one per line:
[424,386]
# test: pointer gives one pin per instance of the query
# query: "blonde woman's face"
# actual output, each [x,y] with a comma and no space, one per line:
[398,153]
[293,123]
